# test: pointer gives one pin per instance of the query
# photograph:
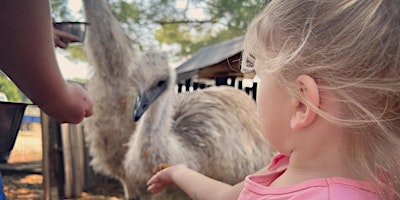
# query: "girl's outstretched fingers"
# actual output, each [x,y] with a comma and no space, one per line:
[158,182]
[163,178]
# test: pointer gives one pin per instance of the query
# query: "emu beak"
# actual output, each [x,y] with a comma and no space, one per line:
[145,99]
[141,105]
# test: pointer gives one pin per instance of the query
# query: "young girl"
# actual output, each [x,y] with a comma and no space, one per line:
[329,103]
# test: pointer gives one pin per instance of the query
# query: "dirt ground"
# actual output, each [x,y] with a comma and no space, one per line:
[22,177]
[27,186]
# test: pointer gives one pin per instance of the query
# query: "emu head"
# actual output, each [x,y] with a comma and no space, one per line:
[153,76]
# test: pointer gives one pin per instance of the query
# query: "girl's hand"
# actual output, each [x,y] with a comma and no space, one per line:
[163,178]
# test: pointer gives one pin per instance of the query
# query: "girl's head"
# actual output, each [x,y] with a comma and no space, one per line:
[351,48]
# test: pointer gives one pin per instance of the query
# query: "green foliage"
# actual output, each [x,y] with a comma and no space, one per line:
[222,20]
[125,12]
[76,52]
[152,23]
[9,88]
[80,80]
[60,11]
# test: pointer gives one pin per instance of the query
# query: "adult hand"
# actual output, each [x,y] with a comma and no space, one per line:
[62,39]
[71,107]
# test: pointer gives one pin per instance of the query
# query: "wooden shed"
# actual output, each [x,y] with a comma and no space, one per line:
[219,63]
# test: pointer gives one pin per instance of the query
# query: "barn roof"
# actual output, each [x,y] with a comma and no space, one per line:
[209,56]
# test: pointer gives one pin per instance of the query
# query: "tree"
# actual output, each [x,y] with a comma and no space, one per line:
[183,26]
[9,89]
[223,20]
[189,24]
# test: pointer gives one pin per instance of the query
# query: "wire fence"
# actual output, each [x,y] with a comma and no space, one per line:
[28,145]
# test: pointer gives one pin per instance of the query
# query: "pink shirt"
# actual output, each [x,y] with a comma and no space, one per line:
[335,188]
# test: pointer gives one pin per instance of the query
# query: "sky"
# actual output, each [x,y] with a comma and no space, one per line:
[70,69]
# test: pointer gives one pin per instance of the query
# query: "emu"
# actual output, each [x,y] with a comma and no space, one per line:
[214,131]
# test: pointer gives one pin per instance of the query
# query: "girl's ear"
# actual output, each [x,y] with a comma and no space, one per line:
[303,114]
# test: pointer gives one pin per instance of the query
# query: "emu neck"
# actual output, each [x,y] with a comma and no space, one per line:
[155,135]
[158,118]
[108,45]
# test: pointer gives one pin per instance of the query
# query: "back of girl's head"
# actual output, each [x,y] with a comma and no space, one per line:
[351,48]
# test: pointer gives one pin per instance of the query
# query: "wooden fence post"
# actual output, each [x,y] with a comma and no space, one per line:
[63,158]
[74,159]
[50,129]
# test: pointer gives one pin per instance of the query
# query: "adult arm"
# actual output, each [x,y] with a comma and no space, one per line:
[27,56]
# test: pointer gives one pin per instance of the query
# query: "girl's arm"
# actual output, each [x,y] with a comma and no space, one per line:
[27,56]
[196,185]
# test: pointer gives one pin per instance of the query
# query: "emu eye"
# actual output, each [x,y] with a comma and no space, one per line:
[144,105]
[160,83]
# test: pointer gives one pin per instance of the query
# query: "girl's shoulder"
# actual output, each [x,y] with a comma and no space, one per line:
[257,186]
[336,188]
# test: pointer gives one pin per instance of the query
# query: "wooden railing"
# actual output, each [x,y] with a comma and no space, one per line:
[63,166]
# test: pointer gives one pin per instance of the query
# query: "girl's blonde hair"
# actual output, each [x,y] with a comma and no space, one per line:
[351,48]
